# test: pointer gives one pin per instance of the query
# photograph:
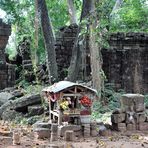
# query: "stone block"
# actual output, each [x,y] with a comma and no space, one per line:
[41,133]
[119,127]
[35,110]
[131,127]
[54,137]
[93,129]
[105,133]
[16,138]
[69,135]
[54,128]
[41,125]
[143,126]
[140,117]
[86,130]
[62,129]
[139,107]
[118,111]
[131,102]
[117,118]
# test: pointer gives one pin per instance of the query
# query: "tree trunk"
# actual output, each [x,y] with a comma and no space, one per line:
[72,12]
[48,40]
[95,51]
[76,60]
[74,67]
[116,7]
[86,9]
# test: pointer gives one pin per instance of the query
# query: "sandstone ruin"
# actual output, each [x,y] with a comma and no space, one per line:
[7,71]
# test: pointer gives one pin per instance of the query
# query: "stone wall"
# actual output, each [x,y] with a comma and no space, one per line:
[64,44]
[7,71]
[125,63]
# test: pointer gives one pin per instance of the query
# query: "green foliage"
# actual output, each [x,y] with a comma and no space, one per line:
[110,100]
[146,100]
[58,12]
[132,16]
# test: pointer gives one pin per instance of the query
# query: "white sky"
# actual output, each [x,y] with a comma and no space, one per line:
[2,13]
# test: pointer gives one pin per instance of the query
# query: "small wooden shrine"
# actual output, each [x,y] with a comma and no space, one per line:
[68,101]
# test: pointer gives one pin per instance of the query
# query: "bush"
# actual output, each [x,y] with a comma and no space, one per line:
[110,100]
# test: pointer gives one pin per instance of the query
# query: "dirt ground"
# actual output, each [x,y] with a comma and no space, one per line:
[117,140]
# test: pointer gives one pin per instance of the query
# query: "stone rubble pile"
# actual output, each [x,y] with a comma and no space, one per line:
[131,116]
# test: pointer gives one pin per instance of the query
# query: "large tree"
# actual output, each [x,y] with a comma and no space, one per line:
[95,49]
[89,19]
[48,39]
[72,12]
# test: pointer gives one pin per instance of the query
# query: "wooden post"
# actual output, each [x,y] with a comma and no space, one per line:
[75,91]
[50,110]
[60,118]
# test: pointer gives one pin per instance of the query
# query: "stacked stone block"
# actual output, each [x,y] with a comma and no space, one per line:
[132,114]
[7,71]
[63,47]
[125,64]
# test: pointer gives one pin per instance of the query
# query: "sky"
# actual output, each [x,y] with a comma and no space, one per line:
[2,13]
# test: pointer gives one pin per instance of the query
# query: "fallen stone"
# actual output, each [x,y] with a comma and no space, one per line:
[21,104]
[7,105]
[26,101]
[17,93]
[62,129]
[42,125]
[35,110]
[10,115]
[41,133]
[5,97]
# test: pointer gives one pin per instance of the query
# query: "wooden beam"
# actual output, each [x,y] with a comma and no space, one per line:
[72,95]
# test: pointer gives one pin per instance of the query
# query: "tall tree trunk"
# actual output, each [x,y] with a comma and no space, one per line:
[86,9]
[72,12]
[74,67]
[95,50]
[49,40]
[117,5]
